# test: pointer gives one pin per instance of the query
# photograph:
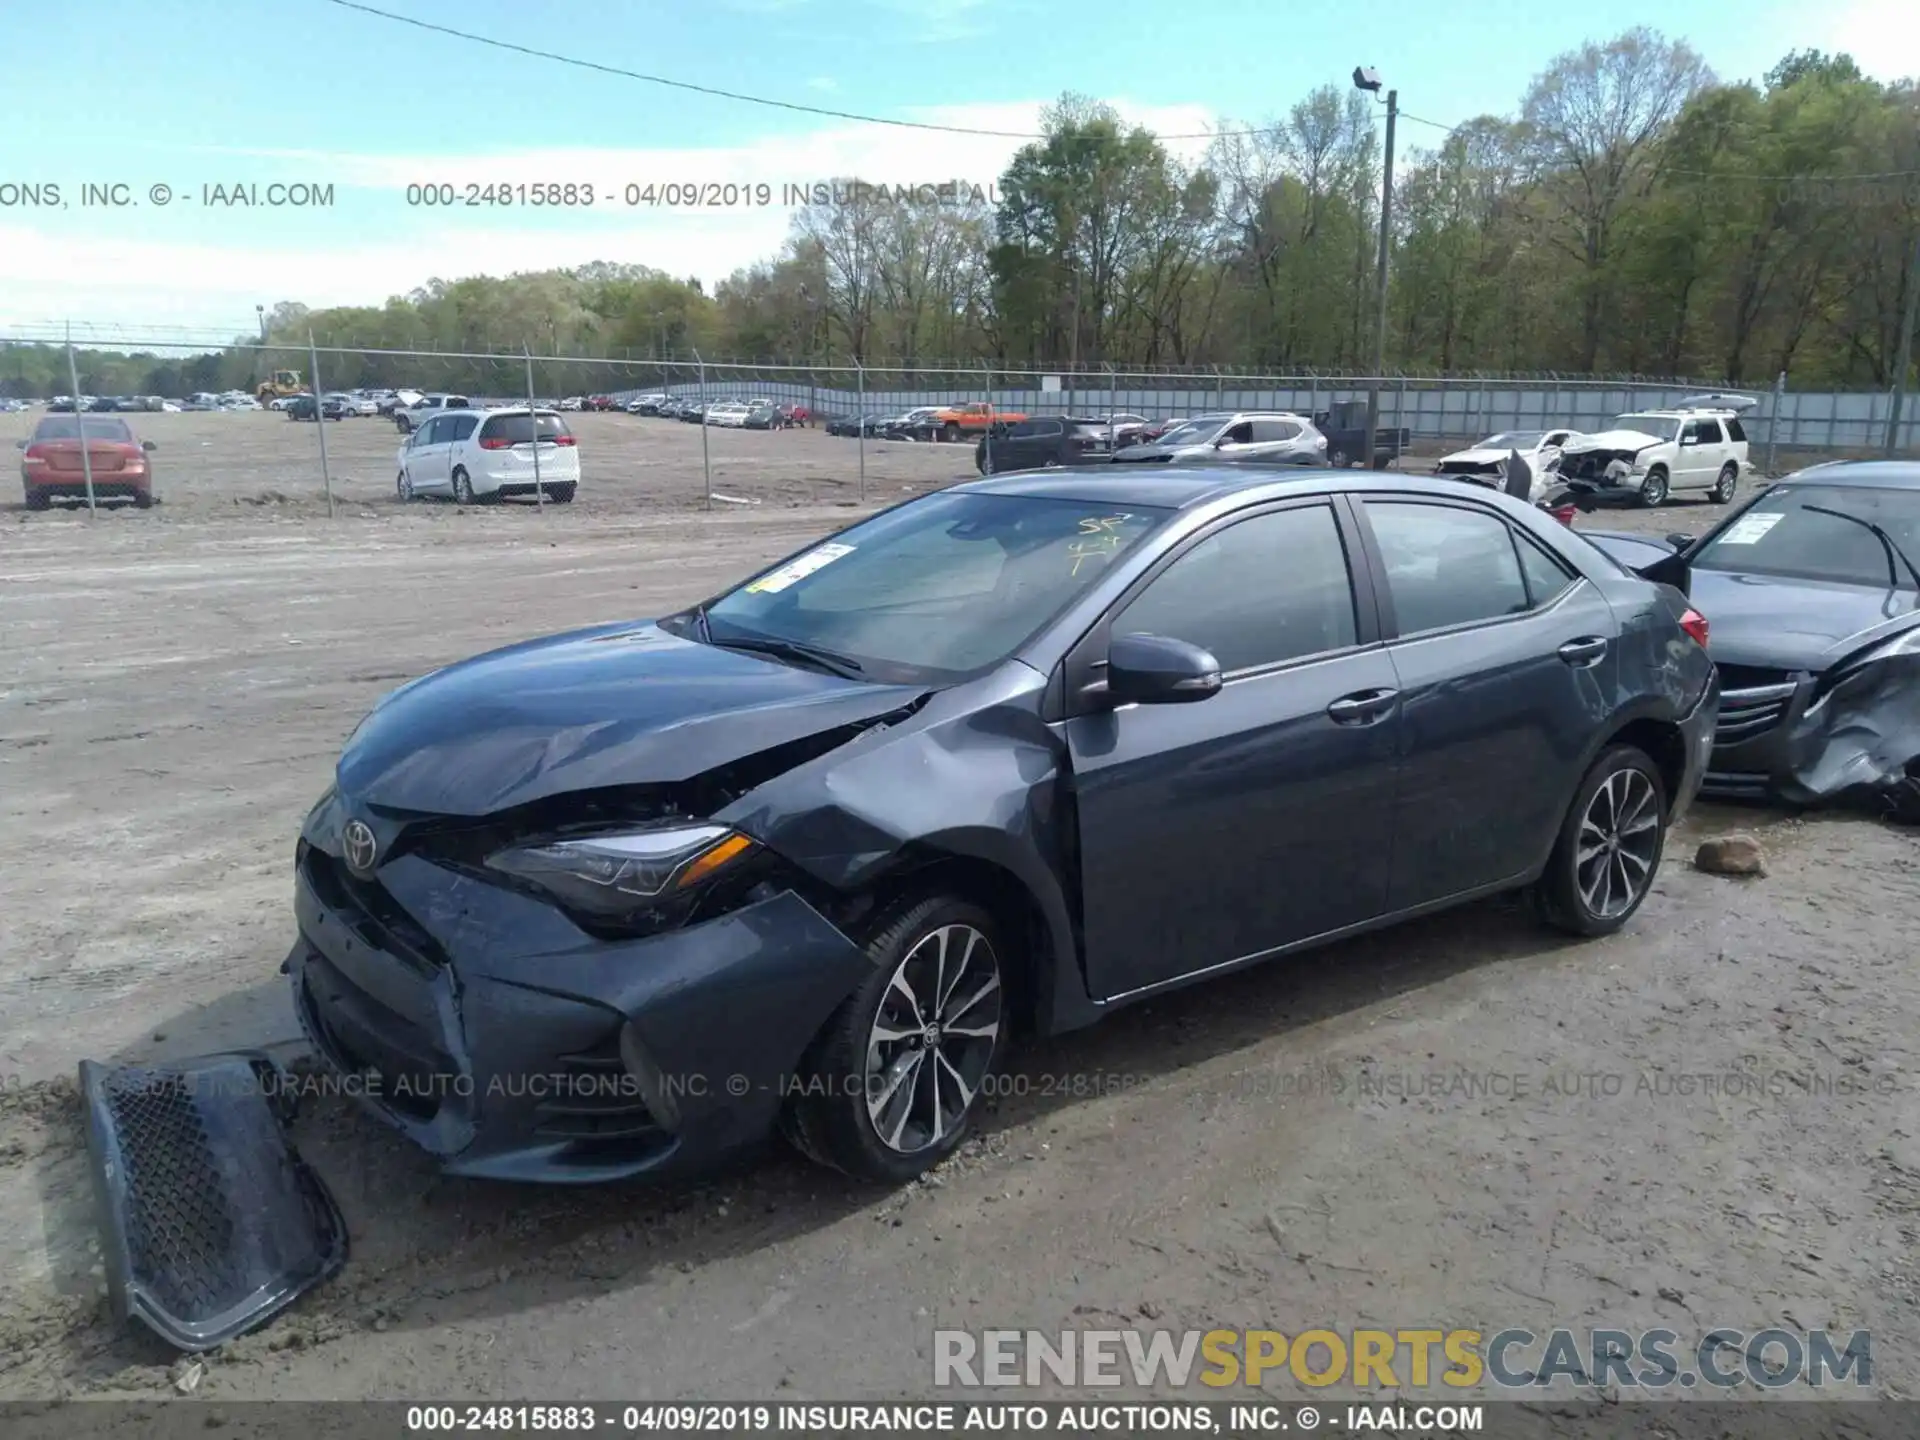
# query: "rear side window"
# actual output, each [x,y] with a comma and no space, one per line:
[1736,432]
[1709,432]
[1265,431]
[1547,578]
[462,426]
[456,402]
[518,429]
[1446,566]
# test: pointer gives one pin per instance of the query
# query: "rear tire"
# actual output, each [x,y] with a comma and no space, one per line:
[143,500]
[1610,845]
[560,494]
[895,1055]
[1337,458]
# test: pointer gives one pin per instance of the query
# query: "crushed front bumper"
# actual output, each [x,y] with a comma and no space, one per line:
[1806,740]
[210,1220]
[496,1035]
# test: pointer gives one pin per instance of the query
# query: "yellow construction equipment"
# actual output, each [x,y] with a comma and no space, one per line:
[283,384]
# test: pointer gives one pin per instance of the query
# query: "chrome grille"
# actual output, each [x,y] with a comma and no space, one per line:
[1747,713]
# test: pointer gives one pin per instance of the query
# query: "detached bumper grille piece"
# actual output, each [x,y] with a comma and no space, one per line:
[211,1221]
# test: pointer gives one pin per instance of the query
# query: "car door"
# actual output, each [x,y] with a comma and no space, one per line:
[1693,462]
[1271,443]
[1710,454]
[1503,657]
[459,447]
[1236,442]
[427,464]
[1262,816]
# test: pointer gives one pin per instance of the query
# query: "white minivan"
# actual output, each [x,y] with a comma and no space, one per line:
[485,455]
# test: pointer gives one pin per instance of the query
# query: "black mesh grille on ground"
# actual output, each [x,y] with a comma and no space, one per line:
[212,1221]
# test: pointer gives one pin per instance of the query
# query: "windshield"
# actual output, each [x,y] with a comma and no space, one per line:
[1193,432]
[67,427]
[1514,440]
[1778,535]
[938,588]
[1661,425]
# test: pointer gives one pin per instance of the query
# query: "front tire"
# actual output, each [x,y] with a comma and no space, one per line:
[39,500]
[1337,458]
[403,488]
[1653,494]
[462,488]
[143,499]
[1728,482]
[950,432]
[1609,847]
[893,1084]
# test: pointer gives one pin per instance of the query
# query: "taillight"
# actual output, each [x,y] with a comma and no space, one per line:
[1565,513]
[1695,624]
[494,442]
[562,439]
[33,456]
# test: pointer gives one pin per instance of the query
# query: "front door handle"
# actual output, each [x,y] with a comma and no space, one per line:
[1583,652]
[1363,707]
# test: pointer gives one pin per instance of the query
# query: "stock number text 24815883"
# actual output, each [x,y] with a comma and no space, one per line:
[657,195]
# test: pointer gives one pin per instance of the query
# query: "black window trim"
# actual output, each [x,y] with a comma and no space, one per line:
[1390,631]
[1076,684]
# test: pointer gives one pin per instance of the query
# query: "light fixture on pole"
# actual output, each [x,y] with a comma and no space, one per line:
[1368,79]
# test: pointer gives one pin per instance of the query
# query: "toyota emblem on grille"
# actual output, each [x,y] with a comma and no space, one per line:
[358,845]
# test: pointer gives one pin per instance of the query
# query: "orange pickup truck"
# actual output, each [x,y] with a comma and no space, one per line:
[971,417]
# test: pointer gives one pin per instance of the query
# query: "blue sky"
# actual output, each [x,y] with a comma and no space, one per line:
[187,93]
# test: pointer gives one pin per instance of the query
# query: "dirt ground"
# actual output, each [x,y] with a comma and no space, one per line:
[1464,1122]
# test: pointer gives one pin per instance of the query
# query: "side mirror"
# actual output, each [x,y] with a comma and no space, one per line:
[1159,670]
[148,445]
[1680,541]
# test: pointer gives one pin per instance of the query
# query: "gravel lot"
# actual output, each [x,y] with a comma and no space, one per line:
[1271,1149]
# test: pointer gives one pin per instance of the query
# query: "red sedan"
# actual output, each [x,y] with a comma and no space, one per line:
[54,466]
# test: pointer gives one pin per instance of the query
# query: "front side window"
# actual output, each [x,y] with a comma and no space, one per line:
[1446,566]
[1262,591]
[938,588]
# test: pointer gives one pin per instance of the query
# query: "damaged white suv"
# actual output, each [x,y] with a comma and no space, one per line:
[1647,455]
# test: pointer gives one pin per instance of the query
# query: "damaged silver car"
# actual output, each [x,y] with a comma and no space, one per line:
[1812,590]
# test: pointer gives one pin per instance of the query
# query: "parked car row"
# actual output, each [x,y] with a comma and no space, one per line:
[1643,457]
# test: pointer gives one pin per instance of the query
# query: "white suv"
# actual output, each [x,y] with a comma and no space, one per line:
[412,417]
[1648,455]
[486,455]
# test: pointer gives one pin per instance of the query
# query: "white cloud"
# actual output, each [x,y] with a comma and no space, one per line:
[49,276]
[823,82]
[1883,36]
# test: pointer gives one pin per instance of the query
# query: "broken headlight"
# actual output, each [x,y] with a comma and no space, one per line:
[610,876]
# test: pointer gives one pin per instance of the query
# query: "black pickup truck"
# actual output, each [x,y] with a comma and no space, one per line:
[1344,423]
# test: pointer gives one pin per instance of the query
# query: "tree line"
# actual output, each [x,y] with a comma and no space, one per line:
[1636,216]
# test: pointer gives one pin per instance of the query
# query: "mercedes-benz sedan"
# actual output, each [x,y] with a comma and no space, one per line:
[1000,759]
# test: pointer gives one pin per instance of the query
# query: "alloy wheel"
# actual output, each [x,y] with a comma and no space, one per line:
[1723,489]
[403,486]
[932,1039]
[1619,840]
[1654,491]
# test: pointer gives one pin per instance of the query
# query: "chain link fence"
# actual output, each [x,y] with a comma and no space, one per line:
[1785,429]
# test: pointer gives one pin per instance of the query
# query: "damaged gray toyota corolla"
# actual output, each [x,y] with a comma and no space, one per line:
[803,857]
[1813,596]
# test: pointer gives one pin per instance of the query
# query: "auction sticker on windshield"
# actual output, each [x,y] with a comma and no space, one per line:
[794,570]
[1748,529]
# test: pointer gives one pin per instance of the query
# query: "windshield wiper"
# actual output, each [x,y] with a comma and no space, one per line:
[1886,543]
[842,665]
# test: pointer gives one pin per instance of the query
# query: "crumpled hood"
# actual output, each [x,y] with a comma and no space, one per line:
[1613,440]
[614,705]
[1781,624]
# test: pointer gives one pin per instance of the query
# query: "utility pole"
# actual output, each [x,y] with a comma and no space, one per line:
[1905,360]
[1368,79]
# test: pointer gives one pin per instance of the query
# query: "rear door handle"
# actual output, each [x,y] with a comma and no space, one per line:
[1583,652]
[1363,707]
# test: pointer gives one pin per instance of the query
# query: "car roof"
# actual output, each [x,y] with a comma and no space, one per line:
[1187,486]
[1887,474]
